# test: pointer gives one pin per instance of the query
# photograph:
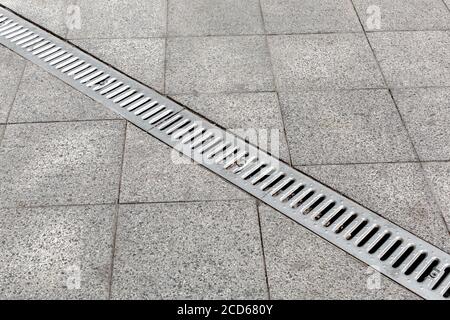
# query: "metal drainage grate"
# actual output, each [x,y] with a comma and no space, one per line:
[395,252]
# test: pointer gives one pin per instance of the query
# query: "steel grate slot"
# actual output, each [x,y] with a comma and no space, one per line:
[390,249]
[48,52]
[414,262]
[366,236]
[397,253]
[22,36]
[431,265]
[14,34]
[405,253]
[334,216]
[344,222]
[440,279]
[54,56]
[302,198]
[357,227]
[323,210]
[378,243]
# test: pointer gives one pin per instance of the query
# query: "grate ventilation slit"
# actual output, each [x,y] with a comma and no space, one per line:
[440,279]
[145,107]
[17,33]
[65,62]
[273,181]
[52,49]
[131,99]
[344,222]
[382,238]
[301,199]
[356,229]
[84,73]
[71,66]
[327,207]
[428,269]
[54,56]
[124,95]
[99,82]
[91,76]
[210,145]
[413,262]
[30,43]
[369,233]
[334,216]
[403,255]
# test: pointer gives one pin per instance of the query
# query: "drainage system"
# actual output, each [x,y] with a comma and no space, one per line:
[412,262]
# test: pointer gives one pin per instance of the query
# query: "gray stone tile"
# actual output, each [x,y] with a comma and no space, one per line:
[438,175]
[61,163]
[153,172]
[2,130]
[50,14]
[43,97]
[204,250]
[350,126]
[301,265]
[309,16]
[413,59]
[56,252]
[217,64]
[142,59]
[323,61]
[397,191]
[250,115]
[447,2]
[119,19]
[214,17]
[426,113]
[11,68]
[404,14]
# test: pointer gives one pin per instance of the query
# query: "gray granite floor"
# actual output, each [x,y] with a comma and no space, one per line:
[94,208]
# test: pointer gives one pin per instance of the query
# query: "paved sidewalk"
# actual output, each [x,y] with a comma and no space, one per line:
[86,196]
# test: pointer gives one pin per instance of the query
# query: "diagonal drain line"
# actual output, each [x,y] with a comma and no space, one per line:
[390,249]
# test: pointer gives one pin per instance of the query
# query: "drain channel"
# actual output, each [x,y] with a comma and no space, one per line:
[393,251]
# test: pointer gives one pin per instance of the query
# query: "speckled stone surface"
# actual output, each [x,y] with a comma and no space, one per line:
[203,250]
[56,252]
[118,19]
[142,59]
[51,14]
[301,265]
[438,175]
[153,172]
[426,112]
[249,115]
[396,191]
[309,16]
[60,163]
[218,64]
[413,59]
[353,126]
[405,14]
[323,61]
[184,232]
[43,97]
[214,17]
[11,68]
